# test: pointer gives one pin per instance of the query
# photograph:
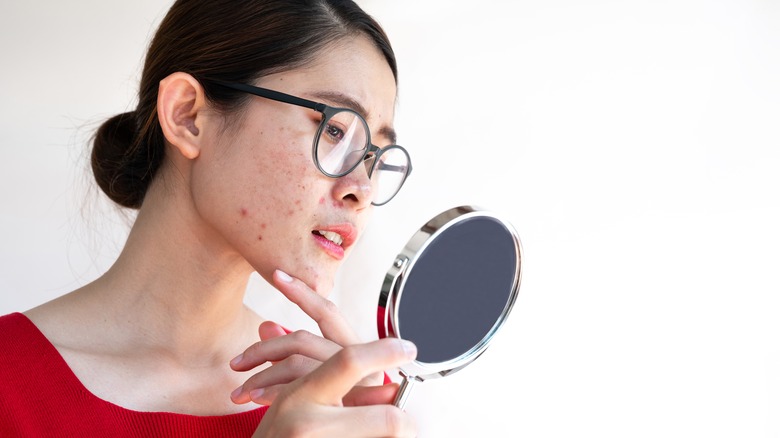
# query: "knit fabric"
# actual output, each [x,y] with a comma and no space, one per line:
[41,397]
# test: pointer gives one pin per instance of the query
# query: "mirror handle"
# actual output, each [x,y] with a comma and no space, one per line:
[404,389]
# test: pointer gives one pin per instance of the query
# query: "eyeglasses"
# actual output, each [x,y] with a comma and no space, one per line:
[343,141]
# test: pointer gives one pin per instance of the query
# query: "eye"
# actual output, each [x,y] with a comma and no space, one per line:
[334,132]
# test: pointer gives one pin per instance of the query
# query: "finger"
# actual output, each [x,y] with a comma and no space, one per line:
[323,311]
[300,342]
[270,330]
[332,380]
[267,395]
[285,371]
[371,395]
[357,396]
[261,396]
[267,330]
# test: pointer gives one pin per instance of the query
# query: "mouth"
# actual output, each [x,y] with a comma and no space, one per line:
[335,239]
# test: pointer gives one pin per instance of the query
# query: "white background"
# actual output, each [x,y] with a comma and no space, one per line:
[633,145]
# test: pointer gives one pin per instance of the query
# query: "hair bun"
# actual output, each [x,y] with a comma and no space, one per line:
[120,170]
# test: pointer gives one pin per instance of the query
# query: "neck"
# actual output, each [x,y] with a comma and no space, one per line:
[177,287]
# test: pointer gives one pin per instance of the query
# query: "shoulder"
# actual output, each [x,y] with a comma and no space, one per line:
[23,348]
[26,355]
[29,364]
[17,330]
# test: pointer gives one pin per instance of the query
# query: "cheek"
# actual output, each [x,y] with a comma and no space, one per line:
[282,156]
[286,186]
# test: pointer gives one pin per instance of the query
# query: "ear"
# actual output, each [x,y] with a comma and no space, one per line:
[180,104]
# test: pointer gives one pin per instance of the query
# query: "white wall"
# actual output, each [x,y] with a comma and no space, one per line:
[633,144]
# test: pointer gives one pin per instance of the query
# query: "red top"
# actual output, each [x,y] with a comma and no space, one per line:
[41,397]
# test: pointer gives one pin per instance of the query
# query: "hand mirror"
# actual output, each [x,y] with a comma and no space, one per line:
[449,291]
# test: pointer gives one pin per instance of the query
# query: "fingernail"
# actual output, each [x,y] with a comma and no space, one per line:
[409,348]
[236,392]
[236,360]
[255,394]
[283,276]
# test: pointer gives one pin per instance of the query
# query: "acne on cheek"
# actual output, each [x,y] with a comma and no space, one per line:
[243,213]
[336,203]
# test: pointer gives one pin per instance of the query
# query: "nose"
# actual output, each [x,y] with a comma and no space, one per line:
[355,188]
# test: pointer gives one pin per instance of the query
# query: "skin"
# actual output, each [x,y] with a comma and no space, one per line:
[158,331]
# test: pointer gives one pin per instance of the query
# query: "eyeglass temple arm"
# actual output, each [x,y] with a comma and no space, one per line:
[273,95]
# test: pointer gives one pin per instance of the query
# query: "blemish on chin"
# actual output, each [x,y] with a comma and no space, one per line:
[262,226]
[260,237]
[322,200]
[244,212]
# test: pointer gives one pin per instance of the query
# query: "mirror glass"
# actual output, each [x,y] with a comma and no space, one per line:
[457,289]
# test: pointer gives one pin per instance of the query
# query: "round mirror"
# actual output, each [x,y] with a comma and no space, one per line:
[449,291]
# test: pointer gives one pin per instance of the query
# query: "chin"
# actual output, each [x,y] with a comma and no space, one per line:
[320,281]
[324,286]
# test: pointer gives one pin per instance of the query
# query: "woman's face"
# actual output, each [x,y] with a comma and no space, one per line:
[257,187]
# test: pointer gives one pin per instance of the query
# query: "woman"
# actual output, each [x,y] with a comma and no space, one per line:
[251,149]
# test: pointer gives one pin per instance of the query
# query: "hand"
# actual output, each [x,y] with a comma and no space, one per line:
[296,354]
[312,406]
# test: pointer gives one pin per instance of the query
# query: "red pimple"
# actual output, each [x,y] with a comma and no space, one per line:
[259,237]
[262,226]
[322,200]
[244,211]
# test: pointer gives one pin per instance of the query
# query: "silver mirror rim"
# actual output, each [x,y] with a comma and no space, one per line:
[395,280]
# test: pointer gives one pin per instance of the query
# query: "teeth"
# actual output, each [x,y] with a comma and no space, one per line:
[333,237]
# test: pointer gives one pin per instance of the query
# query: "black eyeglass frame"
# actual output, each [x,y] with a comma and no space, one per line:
[328,112]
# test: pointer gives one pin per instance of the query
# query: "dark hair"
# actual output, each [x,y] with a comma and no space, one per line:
[228,40]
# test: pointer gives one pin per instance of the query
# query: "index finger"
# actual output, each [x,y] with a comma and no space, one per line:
[323,311]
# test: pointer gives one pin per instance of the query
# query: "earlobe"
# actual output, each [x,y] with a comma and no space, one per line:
[180,101]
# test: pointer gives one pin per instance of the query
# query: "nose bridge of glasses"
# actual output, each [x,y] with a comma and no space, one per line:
[371,159]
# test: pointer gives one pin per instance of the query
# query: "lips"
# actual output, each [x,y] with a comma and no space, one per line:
[336,238]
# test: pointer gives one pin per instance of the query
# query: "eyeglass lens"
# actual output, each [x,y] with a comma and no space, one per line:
[390,171]
[341,145]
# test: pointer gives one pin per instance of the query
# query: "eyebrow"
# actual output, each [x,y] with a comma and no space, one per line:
[348,102]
